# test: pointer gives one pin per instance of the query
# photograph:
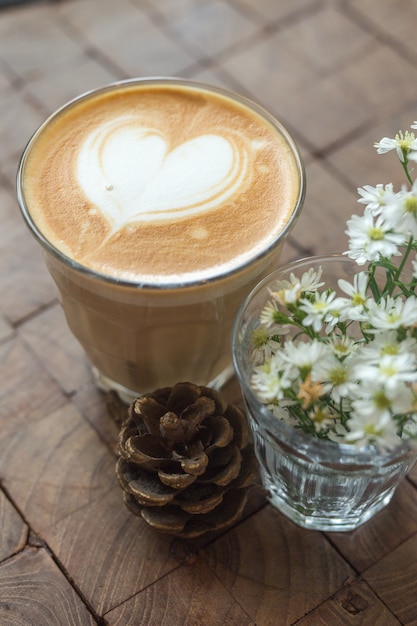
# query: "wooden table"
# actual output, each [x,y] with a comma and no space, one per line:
[340,74]
[71,553]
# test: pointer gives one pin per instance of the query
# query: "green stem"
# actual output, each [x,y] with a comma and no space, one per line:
[406,170]
[372,283]
[403,262]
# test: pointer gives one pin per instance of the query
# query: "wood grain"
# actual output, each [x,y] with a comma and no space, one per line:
[27,392]
[91,403]
[6,330]
[109,553]
[14,531]
[62,355]
[182,598]
[20,261]
[54,466]
[271,566]
[382,534]
[394,579]
[34,591]
[355,604]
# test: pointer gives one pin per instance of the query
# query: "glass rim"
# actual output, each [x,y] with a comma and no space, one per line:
[193,282]
[303,441]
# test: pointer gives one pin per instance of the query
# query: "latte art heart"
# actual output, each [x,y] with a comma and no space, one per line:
[130,173]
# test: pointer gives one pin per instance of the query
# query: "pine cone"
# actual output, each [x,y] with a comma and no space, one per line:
[185,460]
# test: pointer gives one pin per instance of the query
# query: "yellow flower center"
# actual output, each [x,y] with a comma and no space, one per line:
[357,299]
[376,234]
[341,348]
[319,416]
[388,370]
[338,376]
[371,430]
[405,140]
[393,317]
[390,349]
[410,205]
[259,338]
[381,400]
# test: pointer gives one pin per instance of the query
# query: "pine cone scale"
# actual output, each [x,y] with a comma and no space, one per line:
[195,465]
[224,475]
[141,485]
[177,481]
[222,432]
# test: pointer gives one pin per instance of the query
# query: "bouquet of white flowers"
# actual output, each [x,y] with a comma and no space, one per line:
[343,366]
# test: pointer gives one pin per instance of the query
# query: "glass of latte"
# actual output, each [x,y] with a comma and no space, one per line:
[159,203]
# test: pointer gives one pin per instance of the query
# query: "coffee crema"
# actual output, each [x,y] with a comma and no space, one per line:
[160,183]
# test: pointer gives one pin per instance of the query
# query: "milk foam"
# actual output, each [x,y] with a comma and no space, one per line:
[160,183]
[131,174]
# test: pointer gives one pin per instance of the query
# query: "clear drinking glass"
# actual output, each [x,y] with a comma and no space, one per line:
[318,484]
[138,335]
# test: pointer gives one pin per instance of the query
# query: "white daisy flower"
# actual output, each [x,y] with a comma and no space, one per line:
[283,413]
[269,382]
[331,320]
[304,355]
[386,144]
[371,397]
[391,313]
[311,280]
[376,197]
[354,307]
[389,370]
[374,429]
[287,291]
[290,291]
[262,344]
[342,345]
[400,213]
[322,418]
[402,144]
[267,316]
[317,310]
[372,410]
[336,376]
[369,239]
[383,343]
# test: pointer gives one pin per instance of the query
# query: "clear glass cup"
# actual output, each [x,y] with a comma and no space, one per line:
[141,336]
[318,484]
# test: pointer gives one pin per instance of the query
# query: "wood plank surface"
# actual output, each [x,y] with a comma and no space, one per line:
[394,579]
[14,531]
[34,591]
[355,604]
[181,598]
[70,466]
[276,571]
[126,554]
[382,534]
